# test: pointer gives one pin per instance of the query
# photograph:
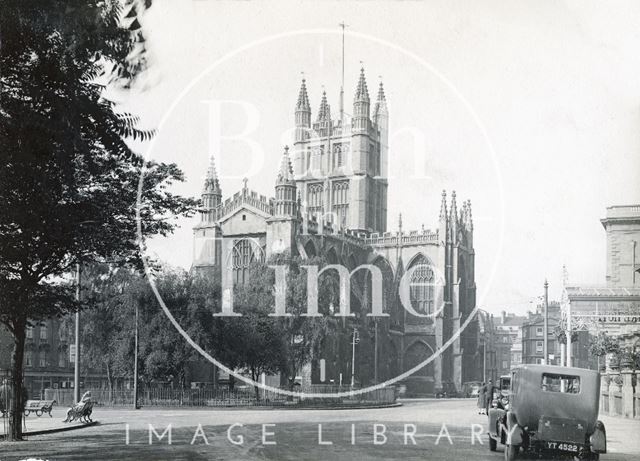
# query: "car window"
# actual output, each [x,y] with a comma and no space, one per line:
[567,384]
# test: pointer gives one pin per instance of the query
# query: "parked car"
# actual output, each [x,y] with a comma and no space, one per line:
[550,411]
[471,388]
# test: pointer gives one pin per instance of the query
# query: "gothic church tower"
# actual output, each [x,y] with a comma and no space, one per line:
[341,168]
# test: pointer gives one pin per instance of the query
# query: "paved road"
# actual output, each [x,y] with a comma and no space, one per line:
[443,431]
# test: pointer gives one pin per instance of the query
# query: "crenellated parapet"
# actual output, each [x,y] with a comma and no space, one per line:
[242,198]
[415,237]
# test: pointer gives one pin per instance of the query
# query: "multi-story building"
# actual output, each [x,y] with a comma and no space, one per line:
[533,339]
[331,201]
[613,307]
[47,359]
[508,342]
[533,336]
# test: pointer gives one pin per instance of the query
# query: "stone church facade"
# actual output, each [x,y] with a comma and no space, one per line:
[331,201]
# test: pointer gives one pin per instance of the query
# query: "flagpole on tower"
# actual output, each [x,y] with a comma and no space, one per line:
[343,26]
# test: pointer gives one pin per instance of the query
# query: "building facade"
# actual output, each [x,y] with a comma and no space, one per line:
[613,307]
[508,342]
[47,359]
[331,201]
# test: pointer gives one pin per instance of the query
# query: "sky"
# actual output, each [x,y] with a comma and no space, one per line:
[529,109]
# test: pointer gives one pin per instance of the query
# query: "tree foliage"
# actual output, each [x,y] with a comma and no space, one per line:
[69,179]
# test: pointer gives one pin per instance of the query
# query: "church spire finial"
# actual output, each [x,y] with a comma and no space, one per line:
[380,108]
[453,216]
[443,205]
[362,93]
[469,216]
[400,223]
[285,174]
[211,182]
[303,97]
[324,113]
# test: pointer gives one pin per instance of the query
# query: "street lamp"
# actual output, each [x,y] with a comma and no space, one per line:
[484,346]
[76,358]
[545,361]
[355,340]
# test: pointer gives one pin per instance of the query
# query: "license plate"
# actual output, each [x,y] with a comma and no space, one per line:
[563,446]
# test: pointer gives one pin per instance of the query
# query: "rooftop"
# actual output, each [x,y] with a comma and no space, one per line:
[574,292]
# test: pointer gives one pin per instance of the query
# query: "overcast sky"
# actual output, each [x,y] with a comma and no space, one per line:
[530,109]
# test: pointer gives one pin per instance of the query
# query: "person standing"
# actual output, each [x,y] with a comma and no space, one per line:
[481,403]
[489,396]
[6,395]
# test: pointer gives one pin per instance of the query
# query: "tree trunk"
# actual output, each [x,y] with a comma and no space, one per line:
[255,376]
[17,379]
[110,382]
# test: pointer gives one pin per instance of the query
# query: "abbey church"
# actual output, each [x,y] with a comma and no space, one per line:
[331,201]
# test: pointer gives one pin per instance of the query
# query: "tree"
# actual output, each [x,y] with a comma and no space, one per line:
[266,344]
[69,178]
[253,342]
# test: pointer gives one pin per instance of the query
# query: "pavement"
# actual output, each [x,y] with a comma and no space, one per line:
[418,430]
[34,425]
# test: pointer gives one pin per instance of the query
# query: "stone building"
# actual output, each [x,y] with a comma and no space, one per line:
[613,307]
[508,342]
[47,360]
[331,201]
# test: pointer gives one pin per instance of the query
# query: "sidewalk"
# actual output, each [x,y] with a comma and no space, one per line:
[622,433]
[44,424]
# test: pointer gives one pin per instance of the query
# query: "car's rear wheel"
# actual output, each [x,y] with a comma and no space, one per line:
[511,452]
[493,444]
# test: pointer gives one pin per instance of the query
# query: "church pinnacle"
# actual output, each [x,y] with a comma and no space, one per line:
[285,200]
[285,174]
[211,182]
[324,113]
[443,206]
[381,103]
[362,93]
[303,98]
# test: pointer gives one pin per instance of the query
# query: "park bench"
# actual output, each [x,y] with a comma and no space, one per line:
[39,407]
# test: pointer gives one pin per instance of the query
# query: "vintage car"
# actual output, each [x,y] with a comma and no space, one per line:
[551,411]
[498,412]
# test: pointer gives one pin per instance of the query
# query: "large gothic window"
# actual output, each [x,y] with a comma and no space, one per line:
[340,199]
[245,253]
[422,286]
[337,156]
[314,200]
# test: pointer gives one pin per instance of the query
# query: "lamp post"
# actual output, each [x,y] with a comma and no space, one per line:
[375,352]
[355,340]
[545,361]
[135,362]
[76,358]
[485,337]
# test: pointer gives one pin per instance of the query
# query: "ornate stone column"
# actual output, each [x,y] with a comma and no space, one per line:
[614,387]
[604,387]
[627,387]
